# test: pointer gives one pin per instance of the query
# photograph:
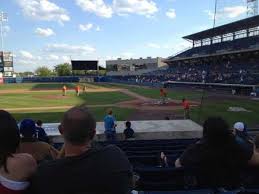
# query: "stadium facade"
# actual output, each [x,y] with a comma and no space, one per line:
[133,66]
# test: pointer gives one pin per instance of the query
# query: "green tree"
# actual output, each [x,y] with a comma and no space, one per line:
[63,69]
[43,72]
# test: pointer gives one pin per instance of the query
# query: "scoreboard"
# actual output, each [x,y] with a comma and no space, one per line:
[84,65]
[6,64]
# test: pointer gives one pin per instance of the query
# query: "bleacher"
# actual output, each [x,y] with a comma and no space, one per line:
[144,155]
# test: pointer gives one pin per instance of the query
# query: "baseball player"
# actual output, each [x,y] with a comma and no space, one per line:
[64,90]
[163,95]
[77,90]
[186,107]
[84,89]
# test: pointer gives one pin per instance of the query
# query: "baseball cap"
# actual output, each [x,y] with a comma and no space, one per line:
[28,128]
[239,126]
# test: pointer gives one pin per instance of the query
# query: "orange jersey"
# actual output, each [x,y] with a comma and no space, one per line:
[77,88]
[186,105]
[162,93]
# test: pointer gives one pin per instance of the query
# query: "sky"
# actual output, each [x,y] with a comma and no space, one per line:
[49,32]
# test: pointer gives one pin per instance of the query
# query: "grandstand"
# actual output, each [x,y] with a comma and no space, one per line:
[226,56]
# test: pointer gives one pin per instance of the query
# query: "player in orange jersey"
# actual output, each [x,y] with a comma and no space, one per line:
[77,90]
[163,95]
[186,107]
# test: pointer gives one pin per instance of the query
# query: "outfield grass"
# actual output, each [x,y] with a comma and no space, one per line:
[16,86]
[121,114]
[44,86]
[53,98]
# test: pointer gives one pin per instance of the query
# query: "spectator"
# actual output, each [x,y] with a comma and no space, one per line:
[163,161]
[15,169]
[110,126]
[128,132]
[85,168]
[40,132]
[242,137]
[217,155]
[31,145]
[240,130]
[257,142]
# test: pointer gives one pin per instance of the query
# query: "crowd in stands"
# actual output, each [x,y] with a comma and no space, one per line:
[234,72]
[29,164]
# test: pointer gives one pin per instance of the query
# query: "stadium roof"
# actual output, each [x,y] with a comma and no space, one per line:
[225,29]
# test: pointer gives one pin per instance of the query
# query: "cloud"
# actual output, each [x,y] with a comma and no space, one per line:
[26,55]
[44,32]
[43,10]
[153,45]
[70,49]
[98,28]
[97,7]
[121,7]
[140,7]
[228,12]
[53,57]
[65,58]
[171,13]
[85,27]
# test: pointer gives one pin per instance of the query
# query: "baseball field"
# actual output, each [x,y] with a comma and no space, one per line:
[45,101]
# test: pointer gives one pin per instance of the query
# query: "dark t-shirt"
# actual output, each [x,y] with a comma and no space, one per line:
[217,165]
[97,171]
[41,135]
[128,132]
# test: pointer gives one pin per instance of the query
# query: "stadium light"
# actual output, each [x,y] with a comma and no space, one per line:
[3,18]
[252,7]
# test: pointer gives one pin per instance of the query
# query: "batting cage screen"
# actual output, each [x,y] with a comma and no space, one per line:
[84,65]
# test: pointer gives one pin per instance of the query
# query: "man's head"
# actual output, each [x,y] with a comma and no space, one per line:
[39,123]
[78,126]
[109,111]
[28,128]
[183,100]
[9,137]
[128,124]
[216,130]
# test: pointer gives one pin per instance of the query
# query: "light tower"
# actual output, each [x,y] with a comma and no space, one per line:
[3,18]
[252,8]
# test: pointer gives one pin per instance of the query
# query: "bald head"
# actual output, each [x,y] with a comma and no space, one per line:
[78,125]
